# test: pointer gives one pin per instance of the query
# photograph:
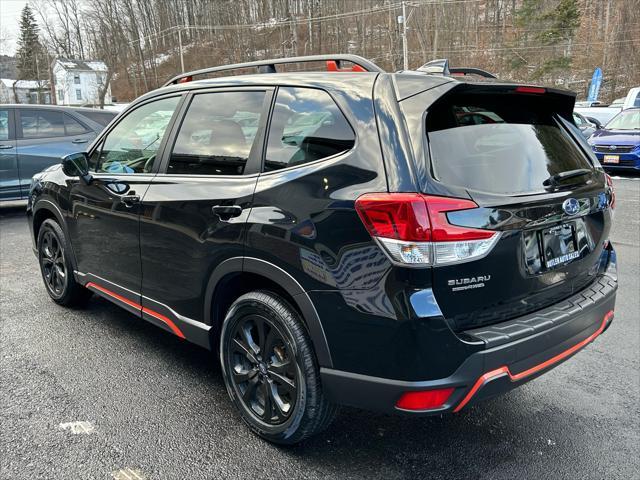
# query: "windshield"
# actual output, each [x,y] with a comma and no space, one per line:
[627,120]
[487,144]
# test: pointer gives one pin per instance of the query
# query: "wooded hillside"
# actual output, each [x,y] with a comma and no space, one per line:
[554,42]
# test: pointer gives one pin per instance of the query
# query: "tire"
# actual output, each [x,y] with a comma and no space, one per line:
[56,268]
[278,394]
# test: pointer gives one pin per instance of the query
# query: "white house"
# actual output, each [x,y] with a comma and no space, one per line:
[79,82]
[24,91]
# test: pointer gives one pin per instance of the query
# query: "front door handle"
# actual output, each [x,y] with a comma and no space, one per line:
[79,140]
[226,212]
[130,199]
[5,147]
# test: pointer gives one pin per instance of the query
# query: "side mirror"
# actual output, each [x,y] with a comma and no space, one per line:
[77,165]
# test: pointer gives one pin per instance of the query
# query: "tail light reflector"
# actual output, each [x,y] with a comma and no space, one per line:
[413,229]
[424,400]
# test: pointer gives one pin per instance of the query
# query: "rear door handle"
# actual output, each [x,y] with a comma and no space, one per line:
[5,147]
[225,212]
[79,140]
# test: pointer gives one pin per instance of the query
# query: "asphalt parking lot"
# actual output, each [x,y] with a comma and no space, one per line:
[156,407]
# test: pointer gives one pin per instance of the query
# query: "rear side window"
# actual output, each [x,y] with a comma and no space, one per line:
[41,123]
[217,134]
[102,118]
[499,144]
[306,126]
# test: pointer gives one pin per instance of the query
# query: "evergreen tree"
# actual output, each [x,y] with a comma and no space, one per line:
[32,63]
[555,22]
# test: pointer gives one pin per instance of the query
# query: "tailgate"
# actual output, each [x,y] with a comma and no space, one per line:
[516,153]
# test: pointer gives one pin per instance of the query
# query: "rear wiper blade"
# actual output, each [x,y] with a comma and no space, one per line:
[553,180]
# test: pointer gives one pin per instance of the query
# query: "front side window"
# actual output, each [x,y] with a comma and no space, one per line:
[306,126]
[41,123]
[132,145]
[217,134]
[4,125]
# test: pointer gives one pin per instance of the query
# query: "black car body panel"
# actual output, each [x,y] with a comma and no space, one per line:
[178,253]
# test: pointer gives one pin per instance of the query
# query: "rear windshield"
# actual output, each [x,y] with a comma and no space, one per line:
[499,144]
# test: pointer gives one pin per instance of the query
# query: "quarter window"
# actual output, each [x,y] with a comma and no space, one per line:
[306,126]
[41,123]
[72,126]
[132,145]
[217,134]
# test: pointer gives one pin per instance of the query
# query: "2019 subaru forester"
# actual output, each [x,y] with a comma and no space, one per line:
[408,243]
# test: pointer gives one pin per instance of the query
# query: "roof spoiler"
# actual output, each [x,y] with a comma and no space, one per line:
[269,66]
[441,67]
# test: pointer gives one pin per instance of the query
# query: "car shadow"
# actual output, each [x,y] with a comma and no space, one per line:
[364,444]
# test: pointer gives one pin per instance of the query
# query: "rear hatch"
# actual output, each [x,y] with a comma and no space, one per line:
[515,152]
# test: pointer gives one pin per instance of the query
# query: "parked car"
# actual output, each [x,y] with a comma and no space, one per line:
[617,145]
[603,113]
[393,255]
[33,137]
[586,127]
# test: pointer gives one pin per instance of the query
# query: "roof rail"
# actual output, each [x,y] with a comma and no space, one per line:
[269,66]
[441,67]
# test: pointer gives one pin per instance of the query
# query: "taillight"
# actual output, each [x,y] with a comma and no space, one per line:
[424,400]
[612,193]
[413,229]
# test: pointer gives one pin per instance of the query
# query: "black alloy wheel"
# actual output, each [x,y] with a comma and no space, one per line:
[54,270]
[270,369]
[56,267]
[263,370]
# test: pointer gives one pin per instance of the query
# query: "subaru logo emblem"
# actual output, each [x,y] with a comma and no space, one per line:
[570,206]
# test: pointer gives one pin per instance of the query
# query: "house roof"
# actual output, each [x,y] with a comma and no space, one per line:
[27,84]
[81,65]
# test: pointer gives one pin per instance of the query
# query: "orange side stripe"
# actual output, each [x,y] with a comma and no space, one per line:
[133,304]
[164,319]
[536,368]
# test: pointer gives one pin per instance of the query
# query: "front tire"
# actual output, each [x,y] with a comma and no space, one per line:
[56,267]
[270,370]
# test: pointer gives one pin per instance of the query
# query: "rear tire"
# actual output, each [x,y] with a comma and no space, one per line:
[56,267]
[270,370]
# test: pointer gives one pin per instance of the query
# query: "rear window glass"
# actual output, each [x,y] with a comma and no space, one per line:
[496,144]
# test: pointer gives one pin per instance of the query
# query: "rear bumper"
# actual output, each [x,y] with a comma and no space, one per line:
[522,350]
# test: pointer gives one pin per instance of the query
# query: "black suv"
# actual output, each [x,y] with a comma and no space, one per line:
[404,242]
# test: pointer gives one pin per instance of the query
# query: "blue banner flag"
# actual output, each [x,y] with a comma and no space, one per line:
[594,88]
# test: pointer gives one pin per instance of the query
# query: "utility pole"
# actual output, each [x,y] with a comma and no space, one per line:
[405,52]
[180,47]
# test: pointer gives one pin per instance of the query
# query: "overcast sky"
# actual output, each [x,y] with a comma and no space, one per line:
[10,24]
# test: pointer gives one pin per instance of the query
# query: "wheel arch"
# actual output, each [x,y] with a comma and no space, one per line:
[45,209]
[243,274]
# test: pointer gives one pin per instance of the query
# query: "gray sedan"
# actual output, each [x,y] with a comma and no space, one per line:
[33,137]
